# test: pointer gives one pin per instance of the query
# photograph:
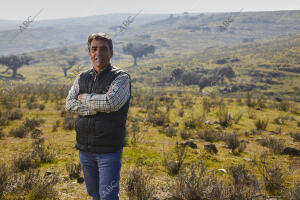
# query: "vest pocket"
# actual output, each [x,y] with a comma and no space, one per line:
[81,129]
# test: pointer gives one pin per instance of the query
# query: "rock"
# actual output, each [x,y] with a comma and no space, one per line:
[219,128]
[48,173]
[211,148]
[215,122]
[247,159]
[278,99]
[80,180]
[222,170]
[190,144]
[207,122]
[291,151]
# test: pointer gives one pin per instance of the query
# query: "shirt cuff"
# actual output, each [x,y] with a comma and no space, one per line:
[84,98]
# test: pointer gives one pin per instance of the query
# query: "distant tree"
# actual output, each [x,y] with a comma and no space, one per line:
[69,65]
[176,74]
[14,62]
[138,50]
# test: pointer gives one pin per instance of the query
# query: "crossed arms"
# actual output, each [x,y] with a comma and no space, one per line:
[90,104]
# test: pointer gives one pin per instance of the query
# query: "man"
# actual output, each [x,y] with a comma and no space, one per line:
[101,97]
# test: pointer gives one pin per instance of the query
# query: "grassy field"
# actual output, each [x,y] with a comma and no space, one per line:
[157,121]
[211,121]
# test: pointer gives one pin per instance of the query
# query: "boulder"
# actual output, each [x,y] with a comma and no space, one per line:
[291,151]
[211,148]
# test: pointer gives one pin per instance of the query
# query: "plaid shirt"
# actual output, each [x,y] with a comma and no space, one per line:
[90,104]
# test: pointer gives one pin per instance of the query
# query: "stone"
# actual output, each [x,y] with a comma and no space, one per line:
[190,144]
[207,122]
[247,159]
[80,180]
[211,148]
[291,151]
[222,170]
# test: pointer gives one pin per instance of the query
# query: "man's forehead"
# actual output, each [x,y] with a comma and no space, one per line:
[99,43]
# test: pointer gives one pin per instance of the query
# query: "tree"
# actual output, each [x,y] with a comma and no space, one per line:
[15,62]
[69,65]
[138,50]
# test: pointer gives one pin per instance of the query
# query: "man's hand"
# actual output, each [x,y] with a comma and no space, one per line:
[79,97]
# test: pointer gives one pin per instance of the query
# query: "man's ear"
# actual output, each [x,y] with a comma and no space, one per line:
[89,53]
[112,53]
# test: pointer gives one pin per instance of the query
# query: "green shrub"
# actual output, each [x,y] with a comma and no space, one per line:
[138,184]
[232,141]
[296,136]
[225,118]
[23,161]
[211,135]
[173,161]
[261,124]
[74,170]
[20,132]
[185,135]
[245,185]
[276,145]
[196,183]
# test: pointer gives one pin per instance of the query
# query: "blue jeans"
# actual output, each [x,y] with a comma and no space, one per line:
[102,174]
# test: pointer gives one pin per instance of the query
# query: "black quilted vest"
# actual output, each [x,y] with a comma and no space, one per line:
[103,132]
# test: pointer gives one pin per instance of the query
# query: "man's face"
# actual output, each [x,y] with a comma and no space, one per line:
[100,54]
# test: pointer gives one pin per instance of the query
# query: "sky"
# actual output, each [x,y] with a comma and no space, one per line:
[55,9]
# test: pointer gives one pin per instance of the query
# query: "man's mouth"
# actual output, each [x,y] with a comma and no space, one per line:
[100,60]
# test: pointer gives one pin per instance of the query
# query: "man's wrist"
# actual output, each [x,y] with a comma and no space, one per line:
[84,98]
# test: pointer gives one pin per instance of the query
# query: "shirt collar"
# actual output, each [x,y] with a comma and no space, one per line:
[93,71]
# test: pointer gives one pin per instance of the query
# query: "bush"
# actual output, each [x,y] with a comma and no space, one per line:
[42,106]
[20,132]
[74,170]
[173,165]
[261,124]
[23,161]
[40,187]
[69,121]
[250,102]
[273,177]
[40,153]
[242,147]
[169,131]
[225,118]
[279,120]
[193,123]
[31,124]
[277,145]
[36,133]
[185,135]
[294,193]
[211,135]
[284,106]
[232,141]
[237,117]
[245,185]
[251,114]
[15,115]
[138,185]
[1,133]
[55,126]
[195,183]
[3,180]
[134,134]
[296,136]
[158,119]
